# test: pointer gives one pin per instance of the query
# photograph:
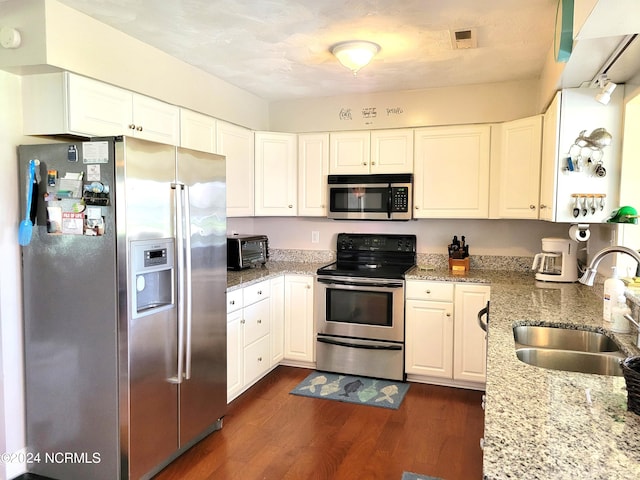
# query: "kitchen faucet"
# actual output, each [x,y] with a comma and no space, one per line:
[590,273]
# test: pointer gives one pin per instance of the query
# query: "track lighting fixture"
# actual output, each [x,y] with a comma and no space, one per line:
[607,86]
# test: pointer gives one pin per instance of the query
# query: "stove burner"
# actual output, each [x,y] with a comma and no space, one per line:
[372,255]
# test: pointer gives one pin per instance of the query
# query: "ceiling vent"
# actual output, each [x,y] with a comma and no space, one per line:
[464,39]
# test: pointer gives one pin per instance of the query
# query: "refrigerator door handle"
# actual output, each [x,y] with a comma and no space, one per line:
[187,280]
[179,187]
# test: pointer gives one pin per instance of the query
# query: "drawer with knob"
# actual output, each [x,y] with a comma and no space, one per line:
[427,290]
[256,292]
[255,322]
[234,300]
[256,360]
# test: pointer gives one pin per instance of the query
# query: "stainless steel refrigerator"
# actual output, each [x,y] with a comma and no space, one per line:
[124,305]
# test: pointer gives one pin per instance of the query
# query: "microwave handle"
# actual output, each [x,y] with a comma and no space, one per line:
[389,201]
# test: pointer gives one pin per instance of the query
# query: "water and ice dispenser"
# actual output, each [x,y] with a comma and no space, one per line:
[152,276]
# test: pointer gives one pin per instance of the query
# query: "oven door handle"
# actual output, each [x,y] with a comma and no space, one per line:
[356,283]
[358,345]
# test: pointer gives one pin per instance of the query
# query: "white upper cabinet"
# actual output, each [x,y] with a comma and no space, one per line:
[197,131]
[376,151]
[392,151]
[237,145]
[549,160]
[154,120]
[350,152]
[276,183]
[451,172]
[64,103]
[313,167]
[516,167]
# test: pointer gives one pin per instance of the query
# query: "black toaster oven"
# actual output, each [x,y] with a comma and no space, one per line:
[246,251]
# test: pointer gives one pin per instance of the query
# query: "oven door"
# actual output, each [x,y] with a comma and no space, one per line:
[366,308]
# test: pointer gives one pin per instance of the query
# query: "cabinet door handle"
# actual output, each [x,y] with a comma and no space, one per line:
[290,206]
[259,359]
[448,314]
[139,128]
[243,321]
[542,205]
[428,291]
[132,126]
[259,292]
[259,321]
[232,302]
[417,207]
[532,207]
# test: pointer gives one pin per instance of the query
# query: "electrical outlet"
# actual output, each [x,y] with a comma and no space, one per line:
[315,236]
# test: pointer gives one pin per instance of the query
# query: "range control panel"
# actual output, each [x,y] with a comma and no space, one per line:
[373,242]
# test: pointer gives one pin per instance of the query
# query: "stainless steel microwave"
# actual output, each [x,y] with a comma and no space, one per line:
[370,197]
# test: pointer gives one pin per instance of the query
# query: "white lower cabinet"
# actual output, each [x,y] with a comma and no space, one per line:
[299,329]
[470,341]
[429,329]
[248,337]
[235,355]
[268,323]
[276,300]
[444,343]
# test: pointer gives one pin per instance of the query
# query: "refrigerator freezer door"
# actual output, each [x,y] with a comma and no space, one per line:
[70,331]
[203,391]
[148,359]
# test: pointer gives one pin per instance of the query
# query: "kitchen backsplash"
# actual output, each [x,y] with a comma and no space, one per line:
[435,260]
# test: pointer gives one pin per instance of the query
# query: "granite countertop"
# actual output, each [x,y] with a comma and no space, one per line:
[243,278]
[538,423]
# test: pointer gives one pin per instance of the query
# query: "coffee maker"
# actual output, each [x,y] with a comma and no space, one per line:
[558,261]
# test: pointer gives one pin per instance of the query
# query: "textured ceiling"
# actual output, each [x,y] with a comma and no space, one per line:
[279,49]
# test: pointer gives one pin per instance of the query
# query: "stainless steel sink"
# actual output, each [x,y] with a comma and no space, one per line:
[567,349]
[572,361]
[563,338]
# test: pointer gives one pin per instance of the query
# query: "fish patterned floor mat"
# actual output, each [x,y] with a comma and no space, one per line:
[353,389]
[415,476]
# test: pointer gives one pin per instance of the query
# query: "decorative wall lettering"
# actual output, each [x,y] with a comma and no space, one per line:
[369,112]
[345,114]
[395,111]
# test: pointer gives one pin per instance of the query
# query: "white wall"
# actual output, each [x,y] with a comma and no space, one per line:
[485,237]
[11,358]
[495,102]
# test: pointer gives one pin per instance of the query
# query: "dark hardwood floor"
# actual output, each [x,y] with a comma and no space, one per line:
[269,434]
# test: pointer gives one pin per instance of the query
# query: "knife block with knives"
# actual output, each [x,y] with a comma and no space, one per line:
[458,255]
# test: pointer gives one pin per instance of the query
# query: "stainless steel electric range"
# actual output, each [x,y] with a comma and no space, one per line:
[360,305]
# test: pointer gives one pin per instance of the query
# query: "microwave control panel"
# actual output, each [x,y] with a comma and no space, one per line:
[399,199]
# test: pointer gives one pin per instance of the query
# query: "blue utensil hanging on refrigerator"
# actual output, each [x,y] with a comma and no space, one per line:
[25,229]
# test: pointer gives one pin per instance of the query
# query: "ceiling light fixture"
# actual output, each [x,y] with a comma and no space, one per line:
[604,97]
[355,54]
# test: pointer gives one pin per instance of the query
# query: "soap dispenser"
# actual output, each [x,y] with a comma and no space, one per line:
[613,288]
[618,312]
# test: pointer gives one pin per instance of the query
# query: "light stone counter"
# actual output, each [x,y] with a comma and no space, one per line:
[243,278]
